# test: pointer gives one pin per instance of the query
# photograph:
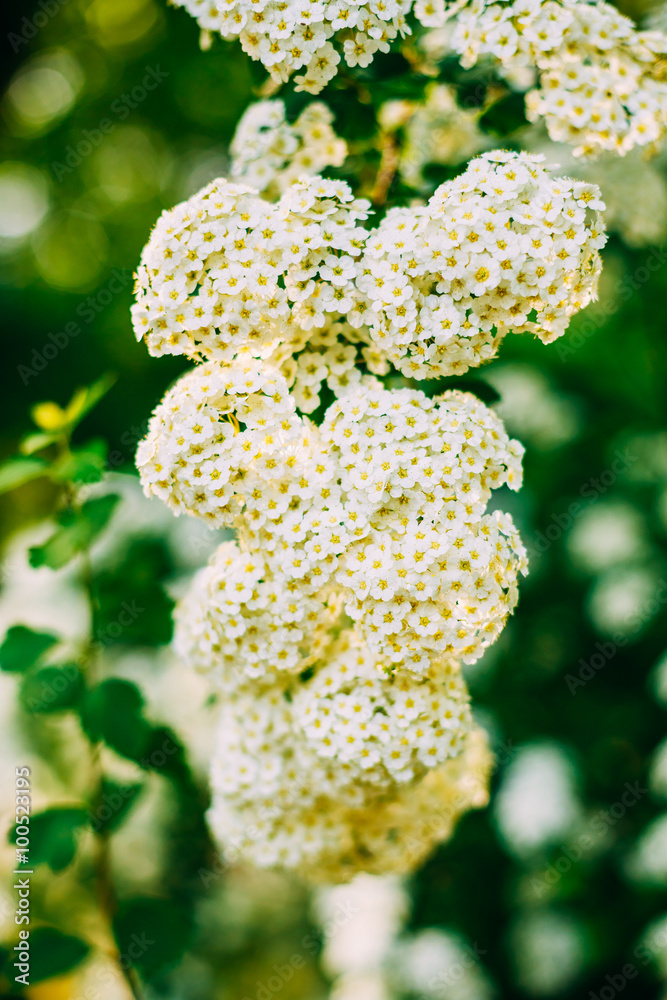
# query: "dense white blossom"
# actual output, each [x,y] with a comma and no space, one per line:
[269,153]
[349,772]
[504,247]
[432,289]
[601,83]
[381,510]
[292,35]
[365,568]
[227,272]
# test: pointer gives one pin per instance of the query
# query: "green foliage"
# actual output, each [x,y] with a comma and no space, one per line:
[610,370]
[52,688]
[20,470]
[131,605]
[24,647]
[53,953]
[113,712]
[53,836]
[78,529]
[115,801]
[82,465]
[152,933]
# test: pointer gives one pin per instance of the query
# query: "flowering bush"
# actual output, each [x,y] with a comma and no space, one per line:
[364,536]
[315,672]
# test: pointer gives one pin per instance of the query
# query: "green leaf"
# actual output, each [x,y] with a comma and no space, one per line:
[112,712]
[23,648]
[132,606]
[52,689]
[82,465]
[36,441]
[53,836]
[85,399]
[154,932]
[78,529]
[52,953]
[18,471]
[113,805]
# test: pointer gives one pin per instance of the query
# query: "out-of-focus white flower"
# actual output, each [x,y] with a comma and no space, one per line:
[537,802]
[531,408]
[654,943]
[438,965]
[658,772]
[43,599]
[647,862]
[625,600]
[24,202]
[606,534]
[361,921]
[435,131]
[43,91]
[549,951]
[331,786]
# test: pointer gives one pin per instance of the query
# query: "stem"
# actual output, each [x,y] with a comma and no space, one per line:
[387,169]
[105,892]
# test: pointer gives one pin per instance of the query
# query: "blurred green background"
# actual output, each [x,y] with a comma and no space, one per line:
[558,888]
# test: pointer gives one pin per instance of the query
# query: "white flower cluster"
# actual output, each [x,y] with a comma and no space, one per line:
[504,247]
[602,83]
[381,510]
[269,153]
[366,571]
[634,189]
[433,289]
[292,35]
[351,773]
[226,272]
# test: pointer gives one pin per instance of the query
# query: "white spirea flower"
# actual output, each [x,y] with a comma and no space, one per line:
[433,290]
[602,83]
[226,272]
[247,627]
[380,510]
[282,798]
[197,459]
[504,247]
[269,153]
[366,569]
[292,35]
